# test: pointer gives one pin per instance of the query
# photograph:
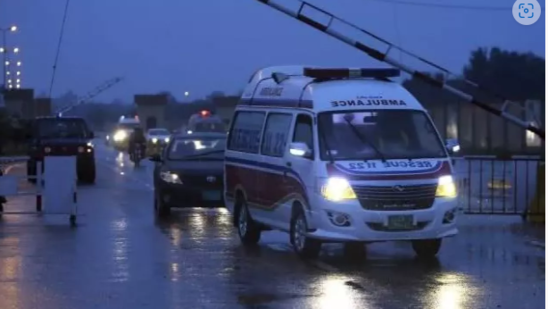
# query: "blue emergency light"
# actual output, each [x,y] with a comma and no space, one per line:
[328,73]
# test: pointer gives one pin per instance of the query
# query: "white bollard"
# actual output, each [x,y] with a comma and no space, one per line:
[60,184]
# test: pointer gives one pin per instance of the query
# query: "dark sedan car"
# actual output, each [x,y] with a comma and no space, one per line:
[189,172]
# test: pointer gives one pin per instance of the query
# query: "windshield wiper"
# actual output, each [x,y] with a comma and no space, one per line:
[365,140]
[202,154]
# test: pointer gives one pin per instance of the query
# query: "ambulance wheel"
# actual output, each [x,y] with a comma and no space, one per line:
[249,232]
[304,246]
[426,248]
[72,220]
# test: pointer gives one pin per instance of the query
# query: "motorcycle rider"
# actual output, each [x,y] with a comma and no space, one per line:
[137,137]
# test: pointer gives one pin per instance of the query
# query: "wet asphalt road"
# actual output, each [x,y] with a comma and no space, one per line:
[121,257]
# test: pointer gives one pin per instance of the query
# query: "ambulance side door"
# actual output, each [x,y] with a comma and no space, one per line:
[276,136]
[301,171]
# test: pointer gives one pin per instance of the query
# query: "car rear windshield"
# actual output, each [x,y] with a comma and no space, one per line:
[210,127]
[61,128]
[158,132]
[192,146]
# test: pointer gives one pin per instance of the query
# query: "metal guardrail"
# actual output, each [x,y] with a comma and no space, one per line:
[492,185]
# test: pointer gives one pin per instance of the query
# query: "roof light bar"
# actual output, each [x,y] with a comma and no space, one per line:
[350,73]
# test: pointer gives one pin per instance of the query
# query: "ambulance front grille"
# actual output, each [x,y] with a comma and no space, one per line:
[410,197]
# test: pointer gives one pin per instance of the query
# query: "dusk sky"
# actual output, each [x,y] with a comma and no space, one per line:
[205,45]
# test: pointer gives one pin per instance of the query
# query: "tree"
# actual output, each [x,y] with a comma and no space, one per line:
[516,76]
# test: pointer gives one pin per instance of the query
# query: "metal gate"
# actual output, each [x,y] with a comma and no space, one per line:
[504,186]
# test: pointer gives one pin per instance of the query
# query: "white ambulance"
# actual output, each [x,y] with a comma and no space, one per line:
[337,155]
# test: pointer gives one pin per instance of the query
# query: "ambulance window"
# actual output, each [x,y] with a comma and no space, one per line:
[246,130]
[276,134]
[303,130]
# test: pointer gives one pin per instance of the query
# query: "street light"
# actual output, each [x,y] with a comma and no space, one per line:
[16,50]
[18,73]
[18,86]
[7,63]
[187,93]
[13,28]
[18,63]
[2,49]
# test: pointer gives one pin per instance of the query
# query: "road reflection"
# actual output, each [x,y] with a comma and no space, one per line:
[336,293]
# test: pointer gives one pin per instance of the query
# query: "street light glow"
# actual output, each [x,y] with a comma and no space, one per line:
[9,81]
[18,81]
[8,73]
[10,86]
[13,28]
[18,63]
[18,73]
[1,49]
[7,63]
[16,50]
[187,93]
[18,86]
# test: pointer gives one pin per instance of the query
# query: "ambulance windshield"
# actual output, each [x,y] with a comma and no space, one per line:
[394,134]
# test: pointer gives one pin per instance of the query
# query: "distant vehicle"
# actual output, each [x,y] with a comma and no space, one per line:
[119,136]
[157,139]
[338,155]
[189,172]
[204,121]
[62,135]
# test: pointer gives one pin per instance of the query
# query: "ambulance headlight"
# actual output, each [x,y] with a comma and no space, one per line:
[446,187]
[154,140]
[166,139]
[120,136]
[337,189]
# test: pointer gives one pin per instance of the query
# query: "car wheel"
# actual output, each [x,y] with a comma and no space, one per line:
[427,248]
[304,246]
[31,171]
[249,232]
[160,207]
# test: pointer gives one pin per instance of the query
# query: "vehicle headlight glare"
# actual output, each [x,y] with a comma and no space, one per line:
[154,140]
[337,189]
[120,136]
[167,139]
[446,187]
[170,177]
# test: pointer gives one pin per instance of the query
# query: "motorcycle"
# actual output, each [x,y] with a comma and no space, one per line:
[138,154]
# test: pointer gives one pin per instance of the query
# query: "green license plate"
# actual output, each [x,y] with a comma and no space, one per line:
[211,195]
[400,222]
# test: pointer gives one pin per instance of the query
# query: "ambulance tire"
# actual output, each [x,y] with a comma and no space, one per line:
[305,247]
[248,230]
[426,248]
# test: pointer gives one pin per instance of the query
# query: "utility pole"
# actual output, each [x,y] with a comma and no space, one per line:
[4,49]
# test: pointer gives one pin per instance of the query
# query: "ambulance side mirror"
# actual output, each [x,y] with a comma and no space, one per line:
[299,149]
[452,146]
